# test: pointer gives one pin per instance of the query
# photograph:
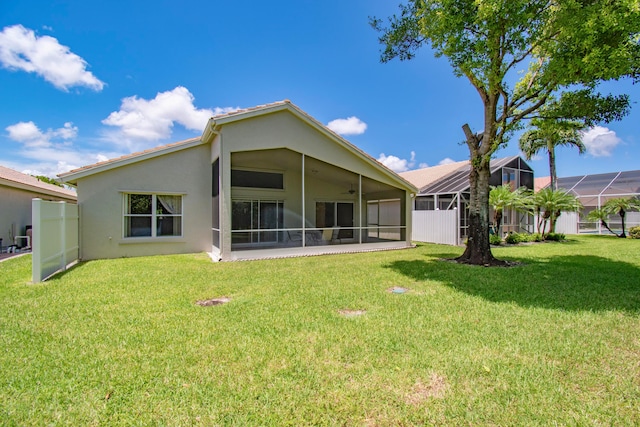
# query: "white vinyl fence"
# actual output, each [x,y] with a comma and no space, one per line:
[55,237]
[567,223]
[436,227]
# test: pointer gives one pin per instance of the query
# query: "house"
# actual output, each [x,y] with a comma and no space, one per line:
[16,191]
[593,191]
[268,181]
[446,187]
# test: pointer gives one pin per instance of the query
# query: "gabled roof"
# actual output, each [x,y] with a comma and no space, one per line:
[213,126]
[217,122]
[15,179]
[451,178]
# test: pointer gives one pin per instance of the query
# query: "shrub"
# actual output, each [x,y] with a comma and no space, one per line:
[634,232]
[513,238]
[494,239]
[555,237]
[534,237]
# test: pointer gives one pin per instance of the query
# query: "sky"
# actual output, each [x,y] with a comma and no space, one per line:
[83,81]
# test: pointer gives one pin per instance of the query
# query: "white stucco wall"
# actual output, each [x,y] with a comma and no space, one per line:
[284,130]
[15,211]
[100,197]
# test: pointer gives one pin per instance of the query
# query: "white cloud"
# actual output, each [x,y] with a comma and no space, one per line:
[600,141]
[397,164]
[31,136]
[446,161]
[152,120]
[21,49]
[348,126]
[423,165]
[50,152]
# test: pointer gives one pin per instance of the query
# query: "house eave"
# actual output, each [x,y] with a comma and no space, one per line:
[35,189]
[72,177]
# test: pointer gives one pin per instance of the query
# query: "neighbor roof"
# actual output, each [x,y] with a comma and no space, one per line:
[421,178]
[451,178]
[15,179]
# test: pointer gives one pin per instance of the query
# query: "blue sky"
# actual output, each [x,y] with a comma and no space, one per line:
[84,81]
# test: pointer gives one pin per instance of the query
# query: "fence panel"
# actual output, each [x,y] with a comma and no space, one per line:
[568,223]
[55,237]
[436,227]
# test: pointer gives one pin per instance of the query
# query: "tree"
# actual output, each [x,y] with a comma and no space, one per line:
[547,135]
[502,198]
[548,204]
[600,215]
[621,206]
[563,48]
[48,180]
[561,122]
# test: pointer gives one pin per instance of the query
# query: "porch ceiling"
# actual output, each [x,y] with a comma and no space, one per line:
[287,160]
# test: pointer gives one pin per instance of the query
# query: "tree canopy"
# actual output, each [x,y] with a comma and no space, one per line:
[520,56]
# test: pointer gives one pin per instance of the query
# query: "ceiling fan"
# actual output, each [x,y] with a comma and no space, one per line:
[350,191]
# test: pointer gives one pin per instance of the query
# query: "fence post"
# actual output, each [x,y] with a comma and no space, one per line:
[63,235]
[36,240]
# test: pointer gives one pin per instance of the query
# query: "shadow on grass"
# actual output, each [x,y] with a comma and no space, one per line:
[566,282]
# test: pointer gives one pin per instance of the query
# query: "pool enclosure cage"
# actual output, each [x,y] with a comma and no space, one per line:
[451,192]
[594,190]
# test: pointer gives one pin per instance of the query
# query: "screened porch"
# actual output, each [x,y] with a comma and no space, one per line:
[281,199]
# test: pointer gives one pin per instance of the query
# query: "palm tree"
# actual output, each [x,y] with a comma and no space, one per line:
[548,204]
[621,206]
[501,198]
[546,135]
[600,215]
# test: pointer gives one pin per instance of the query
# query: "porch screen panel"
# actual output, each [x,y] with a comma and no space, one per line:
[345,219]
[241,219]
[390,214]
[372,219]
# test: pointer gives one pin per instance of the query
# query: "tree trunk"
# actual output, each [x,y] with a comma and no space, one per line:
[552,167]
[554,181]
[478,251]
[604,223]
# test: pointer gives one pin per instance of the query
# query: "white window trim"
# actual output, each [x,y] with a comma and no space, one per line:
[154,215]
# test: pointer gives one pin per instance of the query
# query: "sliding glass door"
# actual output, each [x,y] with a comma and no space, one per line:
[256,221]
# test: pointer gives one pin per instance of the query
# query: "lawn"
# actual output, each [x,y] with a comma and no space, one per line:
[554,341]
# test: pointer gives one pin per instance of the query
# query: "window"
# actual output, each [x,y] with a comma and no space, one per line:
[509,177]
[152,215]
[335,214]
[256,179]
[254,215]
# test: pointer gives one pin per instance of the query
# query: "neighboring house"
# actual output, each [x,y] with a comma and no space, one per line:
[267,181]
[594,190]
[447,187]
[16,191]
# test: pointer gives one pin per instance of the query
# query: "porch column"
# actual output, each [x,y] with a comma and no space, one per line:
[304,219]
[359,209]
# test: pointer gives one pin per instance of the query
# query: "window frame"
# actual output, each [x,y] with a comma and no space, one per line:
[154,215]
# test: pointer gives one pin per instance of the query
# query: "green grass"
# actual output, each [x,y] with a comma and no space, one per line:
[555,341]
